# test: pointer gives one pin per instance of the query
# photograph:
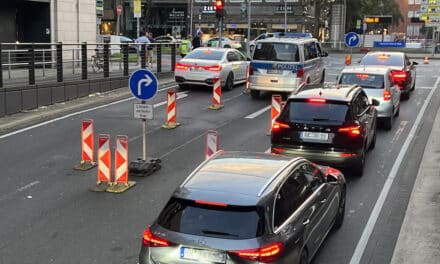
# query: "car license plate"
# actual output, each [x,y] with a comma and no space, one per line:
[202,255]
[195,69]
[274,71]
[314,136]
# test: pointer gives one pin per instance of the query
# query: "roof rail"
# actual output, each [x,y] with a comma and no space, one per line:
[213,156]
[292,161]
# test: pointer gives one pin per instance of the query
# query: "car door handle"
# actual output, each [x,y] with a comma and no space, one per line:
[306,222]
[323,200]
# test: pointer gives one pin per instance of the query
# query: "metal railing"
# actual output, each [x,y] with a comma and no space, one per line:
[32,63]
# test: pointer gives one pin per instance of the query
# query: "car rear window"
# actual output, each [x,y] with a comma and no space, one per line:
[383,59]
[276,52]
[369,81]
[231,222]
[297,111]
[205,54]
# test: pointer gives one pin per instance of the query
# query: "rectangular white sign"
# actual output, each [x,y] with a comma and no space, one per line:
[143,111]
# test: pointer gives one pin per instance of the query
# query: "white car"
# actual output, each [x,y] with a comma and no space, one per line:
[200,66]
[226,43]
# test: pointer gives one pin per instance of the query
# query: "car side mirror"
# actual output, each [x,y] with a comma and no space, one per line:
[375,102]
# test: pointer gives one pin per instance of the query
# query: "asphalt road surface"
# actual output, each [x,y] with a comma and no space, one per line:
[50,216]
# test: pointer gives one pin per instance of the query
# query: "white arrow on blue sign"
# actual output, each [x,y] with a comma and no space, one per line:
[352,39]
[143,84]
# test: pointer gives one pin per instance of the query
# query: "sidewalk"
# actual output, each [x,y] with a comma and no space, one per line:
[419,238]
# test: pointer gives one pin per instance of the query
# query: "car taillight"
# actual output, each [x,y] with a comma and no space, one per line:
[300,73]
[351,130]
[277,126]
[399,76]
[386,95]
[180,66]
[213,68]
[150,240]
[251,70]
[316,100]
[266,254]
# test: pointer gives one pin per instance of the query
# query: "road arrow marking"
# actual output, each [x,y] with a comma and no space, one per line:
[147,82]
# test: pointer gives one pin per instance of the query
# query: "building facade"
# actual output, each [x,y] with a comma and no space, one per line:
[410,10]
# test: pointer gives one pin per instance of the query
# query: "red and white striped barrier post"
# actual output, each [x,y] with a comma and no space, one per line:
[275,109]
[87,146]
[121,182]
[217,94]
[211,143]
[171,110]
[248,81]
[104,163]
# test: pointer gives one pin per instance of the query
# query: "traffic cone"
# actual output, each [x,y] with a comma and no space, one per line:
[426,61]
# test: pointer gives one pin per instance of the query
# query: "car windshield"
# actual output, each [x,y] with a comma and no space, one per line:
[231,222]
[205,54]
[368,81]
[276,52]
[383,59]
[296,111]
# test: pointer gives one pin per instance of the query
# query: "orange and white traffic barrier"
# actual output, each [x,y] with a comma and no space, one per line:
[211,143]
[275,109]
[248,80]
[217,94]
[426,60]
[121,182]
[87,146]
[171,110]
[104,164]
[348,59]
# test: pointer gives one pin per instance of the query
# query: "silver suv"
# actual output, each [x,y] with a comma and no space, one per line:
[242,207]
[282,64]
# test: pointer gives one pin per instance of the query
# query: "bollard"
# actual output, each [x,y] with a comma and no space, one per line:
[106,60]
[171,110]
[32,65]
[159,58]
[84,61]
[59,62]
[348,59]
[121,183]
[104,164]
[211,143]
[87,146]
[173,57]
[216,94]
[125,58]
[143,56]
[275,110]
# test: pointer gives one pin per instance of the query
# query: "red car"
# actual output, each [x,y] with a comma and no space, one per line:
[403,70]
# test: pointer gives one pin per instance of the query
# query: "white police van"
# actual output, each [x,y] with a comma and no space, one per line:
[282,64]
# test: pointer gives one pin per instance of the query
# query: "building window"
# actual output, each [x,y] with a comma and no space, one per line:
[410,2]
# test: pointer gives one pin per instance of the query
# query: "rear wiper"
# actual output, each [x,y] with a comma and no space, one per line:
[212,232]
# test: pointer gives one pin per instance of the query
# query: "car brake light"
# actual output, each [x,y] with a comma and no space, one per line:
[181,66]
[316,100]
[300,73]
[251,70]
[362,76]
[399,76]
[213,68]
[277,126]
[210,203]
[150,240]
[351,130]
[386,95]
[266,254]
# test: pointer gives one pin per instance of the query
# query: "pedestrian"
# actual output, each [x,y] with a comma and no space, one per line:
[186,46]
[150,50]
[142,40]
[197,40]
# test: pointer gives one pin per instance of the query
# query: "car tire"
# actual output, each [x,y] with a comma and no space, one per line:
[406,95]
[398,112]
[339,218]
[322,78]
[388,122]
[373,141]
[229,83]
[304,259]
[358,168]
[413,86]
[255,94]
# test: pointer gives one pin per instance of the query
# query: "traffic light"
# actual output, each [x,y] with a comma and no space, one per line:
[219,11]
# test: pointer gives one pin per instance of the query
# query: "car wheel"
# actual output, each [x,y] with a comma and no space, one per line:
[398,111]
[373,141]
[304,257]
[255,94]
[405,96]
[358,168]
[229,84]
[413,86]
[339,218]
[388,122]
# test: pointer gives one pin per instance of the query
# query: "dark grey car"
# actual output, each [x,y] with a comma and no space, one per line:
[241,207]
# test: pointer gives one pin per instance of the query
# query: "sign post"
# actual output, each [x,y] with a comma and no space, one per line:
[143,85]
[137,13]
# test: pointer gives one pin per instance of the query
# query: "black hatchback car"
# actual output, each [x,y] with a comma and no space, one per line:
[245,207]
[332,124]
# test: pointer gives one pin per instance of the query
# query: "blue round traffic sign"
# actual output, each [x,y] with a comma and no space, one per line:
[143,84]
[352,39]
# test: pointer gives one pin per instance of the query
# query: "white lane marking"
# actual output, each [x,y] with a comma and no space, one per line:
[71,114]
[424,87]
[399,131]
[259,112]
[21,189]
[360,248]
